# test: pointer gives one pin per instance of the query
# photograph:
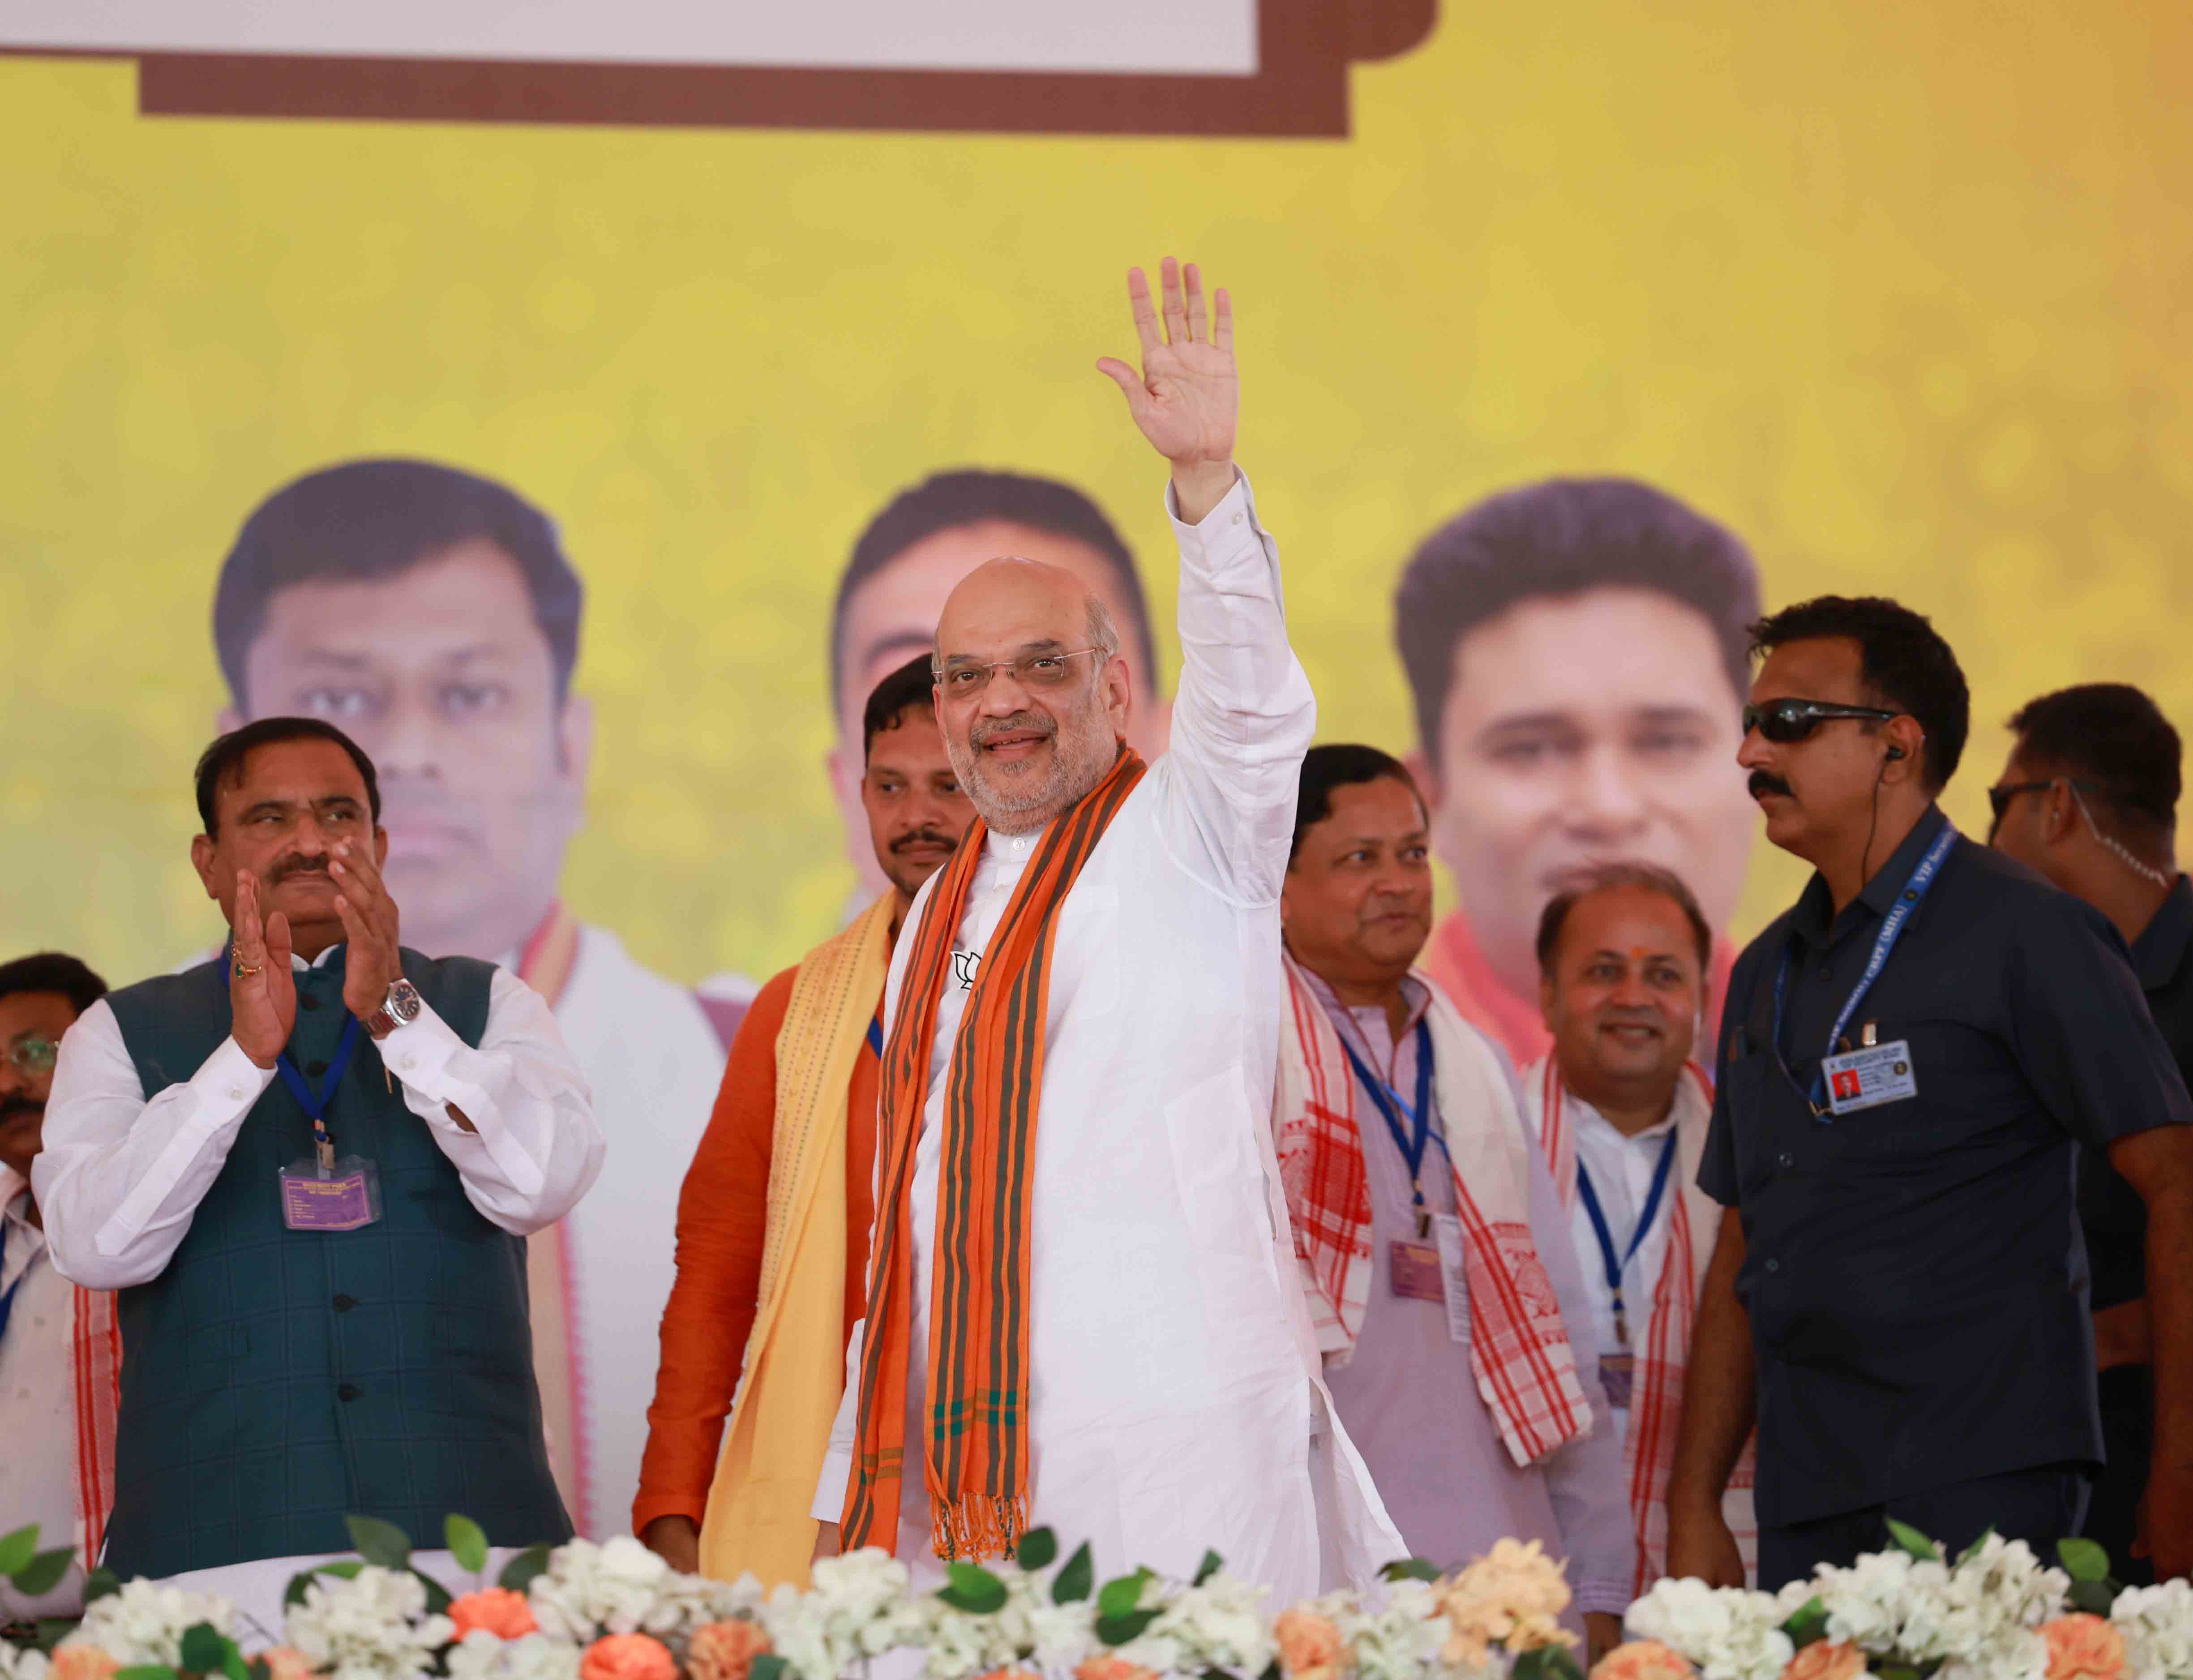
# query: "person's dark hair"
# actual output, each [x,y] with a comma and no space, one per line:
[1565,536]
[889,702]
[2113,738]
[223,762]
[1340,764]
[372,519]
[973,496]
[1581,884]
[53,972]
[1905,664]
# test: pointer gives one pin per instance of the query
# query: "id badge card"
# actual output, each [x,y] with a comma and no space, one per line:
[1618,1375]
[1454,1271]
[1414,1270]
[345,1197]
[1866,1078]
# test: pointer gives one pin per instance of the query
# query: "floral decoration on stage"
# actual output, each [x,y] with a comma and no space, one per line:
[617,1612]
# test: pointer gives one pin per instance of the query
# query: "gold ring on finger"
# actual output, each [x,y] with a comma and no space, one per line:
[244,971]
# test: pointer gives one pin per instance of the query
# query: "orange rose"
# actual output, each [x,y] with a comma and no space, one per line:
[82,1662]
[1641,1660]
[1310,1646]
[1009,1674]
[724,1650]
[2082,1647]
[1112,1668]
[494,1609]
[627,1656]
[1826,1660]
[287,1662]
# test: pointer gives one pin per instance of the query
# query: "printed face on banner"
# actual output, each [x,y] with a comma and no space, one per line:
[442,674]
[893,616]
[1586,729]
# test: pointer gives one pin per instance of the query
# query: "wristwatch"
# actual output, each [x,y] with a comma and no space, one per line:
[398,1009]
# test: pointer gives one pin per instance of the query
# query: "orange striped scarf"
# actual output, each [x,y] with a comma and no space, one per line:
[976,1458]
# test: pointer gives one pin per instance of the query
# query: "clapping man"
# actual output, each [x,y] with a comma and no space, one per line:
[309,1166]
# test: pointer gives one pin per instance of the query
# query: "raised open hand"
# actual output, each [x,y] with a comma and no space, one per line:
[1188,397]
[374,960]
[262,992]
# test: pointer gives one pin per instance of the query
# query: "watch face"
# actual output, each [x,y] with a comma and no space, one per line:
[405,1002]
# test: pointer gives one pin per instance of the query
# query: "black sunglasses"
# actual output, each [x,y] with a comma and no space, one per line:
[1783,721]
[2001,795]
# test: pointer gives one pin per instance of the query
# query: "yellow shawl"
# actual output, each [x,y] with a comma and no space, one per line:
[794,1374]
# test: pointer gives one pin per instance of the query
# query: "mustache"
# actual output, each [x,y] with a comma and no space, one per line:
[1766,782]
[19,1105]
[925,837]
[296,863]
[1019,722]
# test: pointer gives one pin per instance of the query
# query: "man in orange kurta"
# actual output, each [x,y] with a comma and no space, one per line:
[756,1231]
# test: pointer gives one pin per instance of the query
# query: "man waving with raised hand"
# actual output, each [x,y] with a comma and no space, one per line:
[1082,1306]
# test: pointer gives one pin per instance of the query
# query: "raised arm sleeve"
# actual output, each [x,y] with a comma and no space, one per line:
[1244,715]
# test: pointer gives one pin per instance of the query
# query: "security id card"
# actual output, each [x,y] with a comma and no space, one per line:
[1867,1078]
[1434,1271]
[345,1196]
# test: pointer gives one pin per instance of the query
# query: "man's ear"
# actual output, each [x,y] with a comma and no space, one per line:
[575,741]
[1420,772]
[1546,999]
[1904,750]
[2059,814]
[201,861]
[379,847]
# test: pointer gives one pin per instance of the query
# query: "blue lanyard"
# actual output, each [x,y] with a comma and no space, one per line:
[1615,1268]
[1419,1137]
[876,1033]
[8,1300]
[1891,929]
[315,1103]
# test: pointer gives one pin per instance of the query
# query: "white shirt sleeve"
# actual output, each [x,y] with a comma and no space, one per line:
[1583,1479]
[118,1178]
[1244,715]
[836,1479]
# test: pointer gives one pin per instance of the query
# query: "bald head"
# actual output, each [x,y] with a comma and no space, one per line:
[1031,691]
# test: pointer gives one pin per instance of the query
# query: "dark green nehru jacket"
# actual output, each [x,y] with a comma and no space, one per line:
[274,1381]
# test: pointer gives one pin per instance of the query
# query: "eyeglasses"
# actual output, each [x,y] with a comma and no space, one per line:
[2001,795]
[1030,670]
[34,1052]
[1783,721]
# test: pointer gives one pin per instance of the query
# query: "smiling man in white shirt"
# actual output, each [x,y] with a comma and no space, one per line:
[1083,1018]
[1620,1112]
[309,1167]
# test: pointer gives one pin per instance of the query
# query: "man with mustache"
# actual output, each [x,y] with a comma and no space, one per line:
[786,1167]
[1081,1312]
[1911,1057]
[2089,799]
[310,1167]
[1420,1212]
[1619,1111]
[433,615]
[58,1347]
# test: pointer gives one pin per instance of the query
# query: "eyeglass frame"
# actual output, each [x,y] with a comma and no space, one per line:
[15,1053]
[1811,713]
[2000,794]
[989,669]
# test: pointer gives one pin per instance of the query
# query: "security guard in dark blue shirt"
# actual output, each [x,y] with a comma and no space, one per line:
[2089,800]
[1909,1059]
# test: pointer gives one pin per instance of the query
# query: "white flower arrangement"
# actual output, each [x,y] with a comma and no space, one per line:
[144,1624]
[2156,1623]
[480,1655]
[374,1626]
[25,1664]
[588,1591]
[1726,1632]
[858,1607]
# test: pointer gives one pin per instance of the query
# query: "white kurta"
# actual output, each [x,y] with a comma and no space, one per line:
[38,1411]
[653,1062]
[1174,1397]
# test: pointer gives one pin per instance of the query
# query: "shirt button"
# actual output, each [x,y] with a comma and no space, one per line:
[235,1093]
[344,1303]
[347,1391]
[408,1062]
[1785,1159]
[1827,971]
[1774,1265]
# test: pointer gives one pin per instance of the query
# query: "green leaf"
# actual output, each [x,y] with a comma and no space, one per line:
[1212,1564]
[1901,1671]
[1531,1666]
[52,1630]
[259,1669]
[145,1671]
[17,1548]
[767,1666]
[1409,1569]
[1973,1550]
[2084,1560]
[437,1595]
[295,1594]
[467,1541]
[1071,1584]
[1038,1548]
[203,1648]
[379,1541]
[2094,1598]
[518,1574]
[1119,1630]
[101,1583]
[1912,1540]
[1563,1665]
[1120,1596]
[1809,1624]
[973,1589]
[232,1664]
[43,1573]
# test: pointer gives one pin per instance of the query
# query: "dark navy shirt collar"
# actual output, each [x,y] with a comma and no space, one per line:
[1809,920]
[2160,951]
